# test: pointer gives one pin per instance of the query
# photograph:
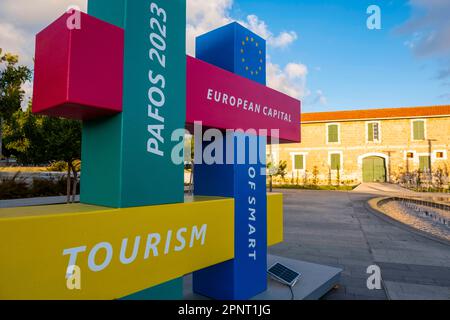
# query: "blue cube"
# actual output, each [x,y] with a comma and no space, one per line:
[235,49]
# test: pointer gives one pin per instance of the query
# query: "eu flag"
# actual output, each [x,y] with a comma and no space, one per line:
[236,49]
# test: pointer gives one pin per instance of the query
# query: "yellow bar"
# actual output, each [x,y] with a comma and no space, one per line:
[36,244]
[274,218]
[33,243]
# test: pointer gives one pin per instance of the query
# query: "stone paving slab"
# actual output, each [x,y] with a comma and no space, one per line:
[315,281]
[416,274]
[336,229]
[409,291]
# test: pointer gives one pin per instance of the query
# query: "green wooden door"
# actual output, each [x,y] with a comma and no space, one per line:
[374,170]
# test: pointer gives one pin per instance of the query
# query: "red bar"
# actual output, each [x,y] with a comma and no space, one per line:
[223,100]
[78,74]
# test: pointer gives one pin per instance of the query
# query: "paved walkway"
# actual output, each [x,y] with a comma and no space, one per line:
[382,188]
[336,229]
[388,189]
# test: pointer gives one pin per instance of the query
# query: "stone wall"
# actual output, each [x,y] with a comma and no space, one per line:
[396,141]
[29,176]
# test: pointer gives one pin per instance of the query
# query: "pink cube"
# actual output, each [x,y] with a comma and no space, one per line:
[79,72]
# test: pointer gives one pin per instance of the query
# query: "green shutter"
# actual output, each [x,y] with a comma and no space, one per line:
[298,161]
[333,133]
[419,130]
[424,163]
[370,133]
[336,161]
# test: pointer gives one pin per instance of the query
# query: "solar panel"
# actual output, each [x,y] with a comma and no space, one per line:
[284,274]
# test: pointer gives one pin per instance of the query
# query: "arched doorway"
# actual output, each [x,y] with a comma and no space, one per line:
[374,169]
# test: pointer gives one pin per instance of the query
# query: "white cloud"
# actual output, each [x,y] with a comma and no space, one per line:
[319,98]
[259,27]
[28,89]
[296,70]
[204,16]
[15,41]
[36,13]
[429,32]
[22,19]
[283,40]
[290,80]
[429,27]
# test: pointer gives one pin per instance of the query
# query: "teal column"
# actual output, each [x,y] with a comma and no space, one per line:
[172,290]
[126,159]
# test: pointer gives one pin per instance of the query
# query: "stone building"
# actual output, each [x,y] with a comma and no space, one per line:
[379,145]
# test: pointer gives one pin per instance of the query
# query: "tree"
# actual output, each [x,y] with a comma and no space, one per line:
[276,171]
[63,141]
[34,139]
[338,175]
[23,138]
[12,77]
[315,173]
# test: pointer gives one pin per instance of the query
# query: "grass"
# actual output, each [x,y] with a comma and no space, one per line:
[315,187]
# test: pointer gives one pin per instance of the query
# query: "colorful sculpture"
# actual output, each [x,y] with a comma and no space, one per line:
[133,227]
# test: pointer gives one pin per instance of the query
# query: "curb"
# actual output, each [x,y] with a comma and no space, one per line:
[372,206]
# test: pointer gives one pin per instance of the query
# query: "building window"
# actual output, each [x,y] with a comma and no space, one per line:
[440,155]
[336,161]
[373,132]
[418,130]
[333,133]
[299,161]
[410,155]
[424,163]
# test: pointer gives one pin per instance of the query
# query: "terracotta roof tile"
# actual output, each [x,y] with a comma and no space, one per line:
[374,114]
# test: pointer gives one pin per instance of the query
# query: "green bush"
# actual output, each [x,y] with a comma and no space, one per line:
[62,166]
[13,188]
[48,188]
[58,166]
[16,188]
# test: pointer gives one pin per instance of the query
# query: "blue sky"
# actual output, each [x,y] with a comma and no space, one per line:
[353,66]
[319,51]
